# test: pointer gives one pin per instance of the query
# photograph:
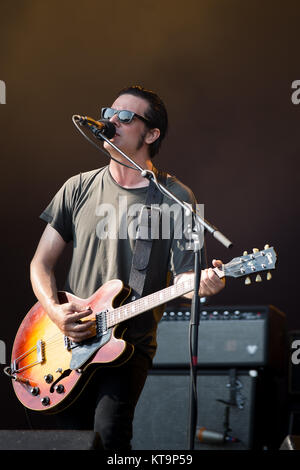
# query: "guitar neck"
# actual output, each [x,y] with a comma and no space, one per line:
[151,301]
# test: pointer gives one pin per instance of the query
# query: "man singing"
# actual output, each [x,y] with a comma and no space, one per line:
[94,210]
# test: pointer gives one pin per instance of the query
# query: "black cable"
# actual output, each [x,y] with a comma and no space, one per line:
[29,423]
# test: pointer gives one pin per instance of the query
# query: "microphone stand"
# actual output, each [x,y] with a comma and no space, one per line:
[198,222]
[193,335]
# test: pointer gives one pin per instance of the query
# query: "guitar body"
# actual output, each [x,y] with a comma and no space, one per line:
[40,363]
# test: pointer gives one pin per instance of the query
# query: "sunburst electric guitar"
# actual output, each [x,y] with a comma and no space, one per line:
[49,370]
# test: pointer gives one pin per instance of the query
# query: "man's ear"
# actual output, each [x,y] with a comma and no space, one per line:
[152,135]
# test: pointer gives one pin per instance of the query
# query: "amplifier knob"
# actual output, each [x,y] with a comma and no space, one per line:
[215,313]
[237,313]
[253,373]
[204,313]
[179,314]
[225,313]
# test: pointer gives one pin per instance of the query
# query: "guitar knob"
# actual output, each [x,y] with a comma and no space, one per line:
[269,276]
[267,247]
[45,401]
[245,253]
[48,378]
[60,388]
[258,278]
[255,250]
[247,281]
[34,391]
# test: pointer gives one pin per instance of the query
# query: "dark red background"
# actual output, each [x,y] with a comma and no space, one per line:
[224,70]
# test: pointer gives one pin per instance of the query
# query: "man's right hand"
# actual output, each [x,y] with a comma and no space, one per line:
[68,317]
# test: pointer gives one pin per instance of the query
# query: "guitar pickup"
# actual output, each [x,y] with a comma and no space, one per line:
[101,323]
[69,344]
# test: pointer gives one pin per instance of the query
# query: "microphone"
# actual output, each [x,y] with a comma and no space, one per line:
[98,128]
[212,437]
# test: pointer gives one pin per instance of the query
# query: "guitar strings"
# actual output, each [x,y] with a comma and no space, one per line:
[119,313]
[58,337]
[51,342]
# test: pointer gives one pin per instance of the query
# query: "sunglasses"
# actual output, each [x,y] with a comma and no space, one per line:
[124,116]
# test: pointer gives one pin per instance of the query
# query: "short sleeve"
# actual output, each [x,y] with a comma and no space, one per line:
[182,252]
[59,213]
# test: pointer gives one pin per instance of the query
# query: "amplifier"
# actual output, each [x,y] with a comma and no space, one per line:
[227,336]
[166,394]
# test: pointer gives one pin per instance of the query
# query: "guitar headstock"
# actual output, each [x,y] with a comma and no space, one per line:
[252,263]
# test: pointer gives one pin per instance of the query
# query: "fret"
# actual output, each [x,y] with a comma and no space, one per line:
[235,268]
[149,302]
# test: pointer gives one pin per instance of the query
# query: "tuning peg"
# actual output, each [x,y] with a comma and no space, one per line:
[255,250]
[245,253]
[258,278]
[269,276]
[247,281]
[267,246]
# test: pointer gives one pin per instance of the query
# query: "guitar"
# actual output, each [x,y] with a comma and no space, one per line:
[49,370]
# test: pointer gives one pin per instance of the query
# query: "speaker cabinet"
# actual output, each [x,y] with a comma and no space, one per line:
[162,413]
[49,440]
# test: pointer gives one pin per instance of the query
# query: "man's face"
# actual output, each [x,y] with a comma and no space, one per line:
[129,137]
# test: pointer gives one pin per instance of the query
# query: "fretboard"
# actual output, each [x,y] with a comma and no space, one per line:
[148,302]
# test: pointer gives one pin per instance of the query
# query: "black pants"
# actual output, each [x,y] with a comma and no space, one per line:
[107,403]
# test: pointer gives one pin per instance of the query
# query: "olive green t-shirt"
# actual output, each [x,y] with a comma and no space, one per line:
[100,217]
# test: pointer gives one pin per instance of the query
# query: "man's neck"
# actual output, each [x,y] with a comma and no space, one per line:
[129,178]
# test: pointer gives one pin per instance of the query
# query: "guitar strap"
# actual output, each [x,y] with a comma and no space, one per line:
[145,231]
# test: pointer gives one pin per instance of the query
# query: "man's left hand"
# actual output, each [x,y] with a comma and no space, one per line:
[210,282]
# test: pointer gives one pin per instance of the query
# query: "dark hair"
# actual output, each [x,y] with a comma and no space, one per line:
[156,113]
